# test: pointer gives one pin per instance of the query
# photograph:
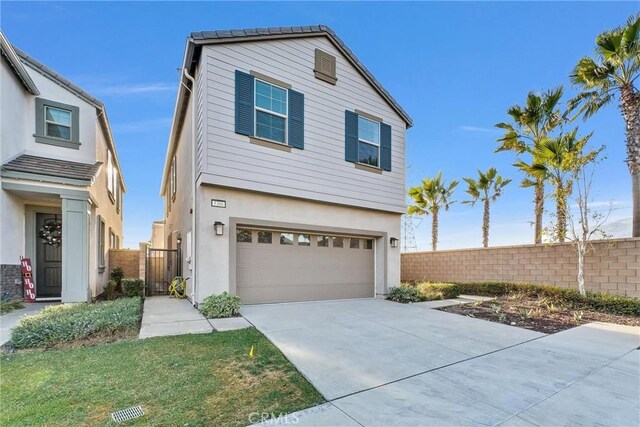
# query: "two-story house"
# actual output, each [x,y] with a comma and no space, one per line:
[285,172]
[62,187]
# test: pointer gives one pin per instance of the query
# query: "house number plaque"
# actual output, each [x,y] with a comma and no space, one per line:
[218,203]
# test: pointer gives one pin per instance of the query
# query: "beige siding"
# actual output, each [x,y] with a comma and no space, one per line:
[319,172]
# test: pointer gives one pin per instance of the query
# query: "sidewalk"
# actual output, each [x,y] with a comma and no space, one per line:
[165,316]
[10,320]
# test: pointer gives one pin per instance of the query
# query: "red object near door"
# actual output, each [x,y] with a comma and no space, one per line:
[27,278]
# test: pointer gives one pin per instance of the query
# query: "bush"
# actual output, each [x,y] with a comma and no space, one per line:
[116,275]
[403,294]
[110,291]
[435,291]
[223,305]
[592,301]
[64,323]
[132,287]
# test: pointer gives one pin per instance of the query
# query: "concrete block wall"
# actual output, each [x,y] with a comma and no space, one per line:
[128,260]
[612,266]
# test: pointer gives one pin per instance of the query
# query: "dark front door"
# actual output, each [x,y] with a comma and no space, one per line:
[48,255]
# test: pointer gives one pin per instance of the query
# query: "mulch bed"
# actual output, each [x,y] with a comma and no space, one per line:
[536,314]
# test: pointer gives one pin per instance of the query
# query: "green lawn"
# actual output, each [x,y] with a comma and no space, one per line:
[194,380]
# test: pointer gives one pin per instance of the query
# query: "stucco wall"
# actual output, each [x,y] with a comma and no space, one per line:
[613,266]
[214,254]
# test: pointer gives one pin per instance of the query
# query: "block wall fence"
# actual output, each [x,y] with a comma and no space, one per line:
[612,266]
[132,261]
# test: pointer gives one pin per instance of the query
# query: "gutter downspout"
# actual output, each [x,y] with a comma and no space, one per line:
[193,183]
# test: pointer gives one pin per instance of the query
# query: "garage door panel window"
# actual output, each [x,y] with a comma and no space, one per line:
[286,238]
[338,242]
[354,244]
[304,240]
[265,237]
[323,241]
[243,236]
[368,244]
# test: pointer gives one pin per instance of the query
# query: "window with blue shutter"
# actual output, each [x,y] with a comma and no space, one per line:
[269,111]
[244,103]
[367,141]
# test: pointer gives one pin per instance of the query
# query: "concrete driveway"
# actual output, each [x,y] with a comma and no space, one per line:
[382,363]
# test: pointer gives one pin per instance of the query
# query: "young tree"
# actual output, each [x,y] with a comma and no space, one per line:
[557,158]
[531,125]
[612,74]
[587,224]
[434,194]
[486,189]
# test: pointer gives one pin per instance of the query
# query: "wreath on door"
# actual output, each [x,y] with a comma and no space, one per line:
[51,232]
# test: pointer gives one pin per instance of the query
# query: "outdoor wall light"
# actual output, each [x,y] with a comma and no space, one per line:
[179,240]
[218,227]
[394,242]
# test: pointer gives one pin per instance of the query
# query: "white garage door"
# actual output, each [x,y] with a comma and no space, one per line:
[277,266]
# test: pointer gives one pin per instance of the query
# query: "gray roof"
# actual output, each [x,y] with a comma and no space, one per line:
[9,52]
[53,75]
[53,167]
[205,37]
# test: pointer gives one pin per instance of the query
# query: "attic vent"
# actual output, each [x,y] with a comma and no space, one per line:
[325,68]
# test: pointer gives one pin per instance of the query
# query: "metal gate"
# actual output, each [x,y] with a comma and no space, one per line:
[161,267]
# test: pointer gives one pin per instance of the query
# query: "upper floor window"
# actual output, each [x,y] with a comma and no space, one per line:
[368,141]
[271,112]
[174,178]
[57,124]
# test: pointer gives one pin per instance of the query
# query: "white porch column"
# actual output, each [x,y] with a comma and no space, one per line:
[75,249]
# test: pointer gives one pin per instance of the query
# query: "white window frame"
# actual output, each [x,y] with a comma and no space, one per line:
[70,125]
[110,172]
[174,178]
[366,141]
[273,113]
[101,243]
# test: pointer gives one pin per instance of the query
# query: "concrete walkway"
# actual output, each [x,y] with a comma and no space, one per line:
[10,320]
[383,363]
[166,316]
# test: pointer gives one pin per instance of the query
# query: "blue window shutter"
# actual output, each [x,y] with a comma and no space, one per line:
[385,147]
[244,103]
[351,136]
[296,119]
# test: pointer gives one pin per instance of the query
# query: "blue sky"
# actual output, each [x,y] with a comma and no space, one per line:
[455,67]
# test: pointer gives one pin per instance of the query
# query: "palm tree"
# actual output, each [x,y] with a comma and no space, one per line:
[613,72]
[486,189]
[557,159]
[434,194]
[531,124]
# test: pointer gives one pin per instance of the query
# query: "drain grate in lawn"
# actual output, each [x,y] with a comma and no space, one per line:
[127,414]
[537,313]
[206,379]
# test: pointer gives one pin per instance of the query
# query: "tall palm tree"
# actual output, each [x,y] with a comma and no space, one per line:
[557,159]
[531,124]
[434,194]
[612,74]
[486,189]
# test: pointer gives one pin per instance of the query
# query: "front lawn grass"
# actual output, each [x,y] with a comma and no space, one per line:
[194,380]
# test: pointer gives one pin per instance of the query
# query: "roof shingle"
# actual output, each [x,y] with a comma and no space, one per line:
[53,167]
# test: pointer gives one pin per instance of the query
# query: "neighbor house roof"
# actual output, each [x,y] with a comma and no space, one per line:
[53,167]
[79,92]
[14,62]
[200,38]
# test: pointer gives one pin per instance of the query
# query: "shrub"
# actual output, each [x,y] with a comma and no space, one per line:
[116,275]
[64,323]
[132,287]
[223,305]
[403,294]
[435,291]
[110,291]
[592,301]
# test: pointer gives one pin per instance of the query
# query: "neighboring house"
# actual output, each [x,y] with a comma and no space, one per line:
[284,177]
[62,187]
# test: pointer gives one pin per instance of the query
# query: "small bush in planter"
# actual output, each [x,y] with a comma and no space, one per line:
[132,287]
[110,291]
[403,294]
[436,291]
[218,306]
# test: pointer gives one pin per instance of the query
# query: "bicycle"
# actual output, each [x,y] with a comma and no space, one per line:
[178,287]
